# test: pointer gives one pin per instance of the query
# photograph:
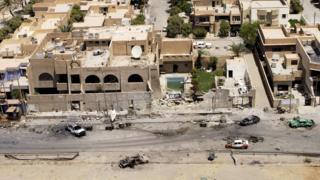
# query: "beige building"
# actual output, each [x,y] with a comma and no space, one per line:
[92,72]
[16,51]
[209,13]
[269,12]
[289,59]
[105,13]
[175,55]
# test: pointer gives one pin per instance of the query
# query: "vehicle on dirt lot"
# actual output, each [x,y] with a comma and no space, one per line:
[133,161]
[297,122]
[238,144]
[249,120]
[76,130]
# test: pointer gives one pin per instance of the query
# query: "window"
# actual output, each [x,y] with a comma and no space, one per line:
[110,79]
[284,16]
[45,77]
[75,78]
[262,18]
[135,78]
[294,62]
[92,79]
[62,78]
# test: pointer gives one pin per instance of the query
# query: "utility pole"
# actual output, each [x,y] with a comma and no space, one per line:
[290,96]
[314,18]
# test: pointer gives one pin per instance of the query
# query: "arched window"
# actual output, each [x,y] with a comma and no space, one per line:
[110,79]
[92,79]
[135,78]
[45,77]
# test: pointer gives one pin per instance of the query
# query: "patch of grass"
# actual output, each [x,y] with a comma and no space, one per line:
[205,80]
[307,160]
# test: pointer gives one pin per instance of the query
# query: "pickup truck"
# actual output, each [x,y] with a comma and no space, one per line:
[76,130]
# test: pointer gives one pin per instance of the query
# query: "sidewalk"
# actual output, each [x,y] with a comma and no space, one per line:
[261,96]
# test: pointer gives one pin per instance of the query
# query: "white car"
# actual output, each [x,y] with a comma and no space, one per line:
[238,144]
[76,130]
[208,45]
[199,44]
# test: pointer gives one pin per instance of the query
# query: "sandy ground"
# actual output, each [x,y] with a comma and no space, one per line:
[165,166]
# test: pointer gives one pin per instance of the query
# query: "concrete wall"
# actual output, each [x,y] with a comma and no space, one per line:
[177,46]
[88,102]
[182,67]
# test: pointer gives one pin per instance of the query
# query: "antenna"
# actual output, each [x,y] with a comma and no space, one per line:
[136,52]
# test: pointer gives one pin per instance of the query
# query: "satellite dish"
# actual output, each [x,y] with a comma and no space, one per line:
[136,52]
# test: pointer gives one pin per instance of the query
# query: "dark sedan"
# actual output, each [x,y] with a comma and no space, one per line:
[249,120]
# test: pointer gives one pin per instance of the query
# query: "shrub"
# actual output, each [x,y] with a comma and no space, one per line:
[139,20]
[186,29]
[174,26]
[296,6]
[199,32]
[224,28]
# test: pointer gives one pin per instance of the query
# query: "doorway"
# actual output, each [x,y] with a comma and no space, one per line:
[175,68]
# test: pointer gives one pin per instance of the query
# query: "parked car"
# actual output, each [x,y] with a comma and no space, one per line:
[249,120]
[199,44]
[297,122]
[133,161]
[238,144]
[76,130]
[208,45]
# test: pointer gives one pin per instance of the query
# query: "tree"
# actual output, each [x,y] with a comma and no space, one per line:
[139,20]
[249,33]
[174,11]
[213,63]
[185,6]
[237,49]
[14,23]
[198,63]
[296,7]
[66,28]
[7,4]
[224,28]
[199,32]
[186,29]
[174,26]
[76,14]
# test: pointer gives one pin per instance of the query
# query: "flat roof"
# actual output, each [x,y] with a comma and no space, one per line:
[267,4]
[311,31]
[95,20]
[96,58]
[144,61]
[50,23]
[273,33]
[276,63]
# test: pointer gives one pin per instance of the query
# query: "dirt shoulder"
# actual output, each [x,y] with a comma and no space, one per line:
[169,165]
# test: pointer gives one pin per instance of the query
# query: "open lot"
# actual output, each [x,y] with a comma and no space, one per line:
[172,165]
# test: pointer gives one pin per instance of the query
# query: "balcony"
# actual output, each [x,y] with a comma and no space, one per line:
[75,87]
[62,86]
[111,87]
[92,87]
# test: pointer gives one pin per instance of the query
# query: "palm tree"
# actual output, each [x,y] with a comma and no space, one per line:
[237,49]
[7,4]
[66,28]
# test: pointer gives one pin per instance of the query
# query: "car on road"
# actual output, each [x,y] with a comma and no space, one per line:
[133,161]
[199,44]
[76,130]
[252,119]
[297,122]
[238,144]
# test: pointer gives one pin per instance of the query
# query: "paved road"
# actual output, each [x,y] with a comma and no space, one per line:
[157,13]
[310,10]
[140,138]
[261,96]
